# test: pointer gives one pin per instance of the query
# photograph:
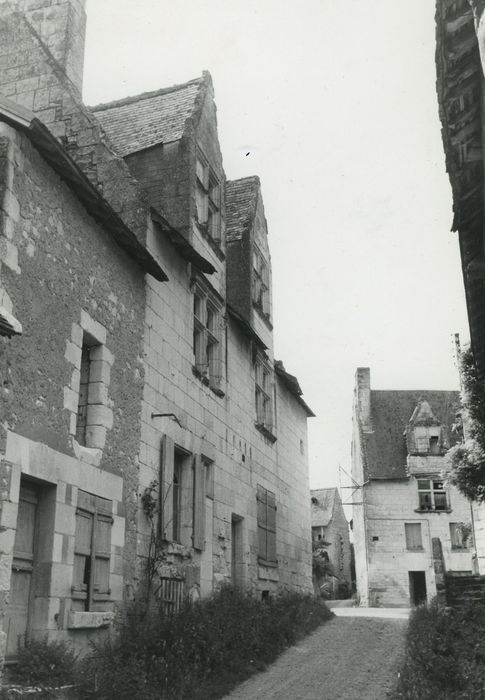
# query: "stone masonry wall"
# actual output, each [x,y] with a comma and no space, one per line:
[62,274]
[31,77]
[223,429]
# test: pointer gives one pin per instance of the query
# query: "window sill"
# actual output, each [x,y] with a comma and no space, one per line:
[270,564]
[433,510]
[463,550]
[415,549]
[214,244]
[266,432]
[206,382]
[89,620]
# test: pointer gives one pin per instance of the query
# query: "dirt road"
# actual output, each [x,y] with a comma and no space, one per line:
[349,658]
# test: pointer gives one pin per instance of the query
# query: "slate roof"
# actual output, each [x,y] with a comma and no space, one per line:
[322,511]
[385,447]
[146,120]
[241,199]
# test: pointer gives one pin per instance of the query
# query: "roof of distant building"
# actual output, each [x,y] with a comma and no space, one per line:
[145,120]
[323,502]
[241,199]
[385,447]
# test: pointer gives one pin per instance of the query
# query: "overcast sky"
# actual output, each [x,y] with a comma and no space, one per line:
[335,103]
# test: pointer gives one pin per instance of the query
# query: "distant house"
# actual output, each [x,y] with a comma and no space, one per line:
[330,533]
[398,447]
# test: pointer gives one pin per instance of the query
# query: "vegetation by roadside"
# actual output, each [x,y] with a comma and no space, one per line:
[445,654]
[201,652]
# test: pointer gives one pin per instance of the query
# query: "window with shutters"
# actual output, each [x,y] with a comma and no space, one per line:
[92,552]
[414,541]
[207,339]
[184,480]
[266,526]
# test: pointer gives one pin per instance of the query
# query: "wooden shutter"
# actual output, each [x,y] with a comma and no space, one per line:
[270,527]
[266,525]
[102,543]
[166,486]
[261,502]
[413,535]
[199,503]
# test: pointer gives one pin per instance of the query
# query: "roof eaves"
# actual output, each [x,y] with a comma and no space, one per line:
[53,152]
[246,327]
[181,244]
[291,383]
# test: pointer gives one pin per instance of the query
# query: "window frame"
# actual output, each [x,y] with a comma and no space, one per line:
[263,393]
[261,282]
[433,491]
[407,528]
[97,510]
[208,199]
[207,343]
[454,532]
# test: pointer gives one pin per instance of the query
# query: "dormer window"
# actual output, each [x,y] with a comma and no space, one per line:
[208,199]
[260,282]
[425,440]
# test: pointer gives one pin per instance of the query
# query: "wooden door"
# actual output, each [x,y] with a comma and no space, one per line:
[17,617]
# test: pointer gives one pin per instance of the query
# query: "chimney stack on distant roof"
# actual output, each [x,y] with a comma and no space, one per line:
[362,397]
[61,25]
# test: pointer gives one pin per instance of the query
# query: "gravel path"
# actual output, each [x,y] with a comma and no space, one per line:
[345,659]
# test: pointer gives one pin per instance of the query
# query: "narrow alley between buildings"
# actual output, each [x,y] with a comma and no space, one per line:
[349,658]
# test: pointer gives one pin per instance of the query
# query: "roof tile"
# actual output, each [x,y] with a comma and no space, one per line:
[241,199]
[145,120]
[391,411]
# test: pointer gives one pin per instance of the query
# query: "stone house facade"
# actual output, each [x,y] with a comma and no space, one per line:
[330,533]
[403,501]
[137,361]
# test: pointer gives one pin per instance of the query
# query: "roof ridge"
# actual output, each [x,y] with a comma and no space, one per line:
[254,178]
[103,106]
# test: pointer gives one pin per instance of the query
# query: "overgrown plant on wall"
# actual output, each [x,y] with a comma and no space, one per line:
[156,554]
[466,460]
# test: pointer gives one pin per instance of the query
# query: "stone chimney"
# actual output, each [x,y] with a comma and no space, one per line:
[61,26]
[362,397]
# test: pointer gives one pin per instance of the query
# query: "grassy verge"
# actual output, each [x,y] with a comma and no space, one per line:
[201,652]
[444,654]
